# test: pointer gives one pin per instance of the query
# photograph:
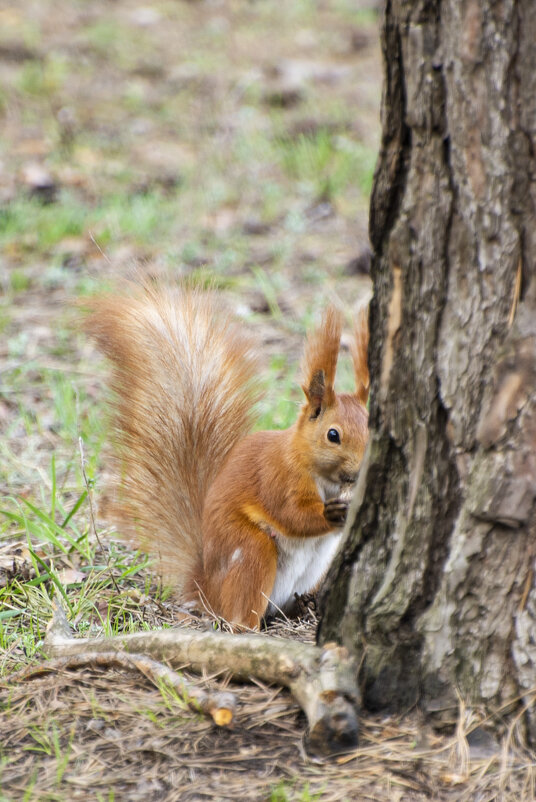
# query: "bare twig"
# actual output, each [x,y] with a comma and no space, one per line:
[98,247]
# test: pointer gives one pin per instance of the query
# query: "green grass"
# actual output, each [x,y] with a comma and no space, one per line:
[64,557]
[289,792]
[44,78]
[32,227]
[95,589]
[326,164]
[103,36]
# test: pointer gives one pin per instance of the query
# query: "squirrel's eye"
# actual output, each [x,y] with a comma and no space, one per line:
[334,436]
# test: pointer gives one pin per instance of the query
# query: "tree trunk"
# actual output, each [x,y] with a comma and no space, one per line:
[435,587]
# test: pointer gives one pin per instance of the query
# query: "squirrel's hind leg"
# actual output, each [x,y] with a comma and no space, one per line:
[241,577]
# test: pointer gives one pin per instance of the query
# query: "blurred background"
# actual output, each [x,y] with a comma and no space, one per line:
[232,141]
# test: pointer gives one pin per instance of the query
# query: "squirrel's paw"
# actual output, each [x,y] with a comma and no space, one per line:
[335,511]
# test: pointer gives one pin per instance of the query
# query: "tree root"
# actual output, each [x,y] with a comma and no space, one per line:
[322,680]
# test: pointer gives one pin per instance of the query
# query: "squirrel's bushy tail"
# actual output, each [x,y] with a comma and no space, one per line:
[184,386]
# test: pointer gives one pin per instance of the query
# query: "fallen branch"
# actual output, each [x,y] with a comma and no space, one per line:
[322,680]
[220,705]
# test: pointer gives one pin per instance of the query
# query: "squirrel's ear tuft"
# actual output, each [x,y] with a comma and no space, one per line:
[359,351]
[320,362]
[315,393]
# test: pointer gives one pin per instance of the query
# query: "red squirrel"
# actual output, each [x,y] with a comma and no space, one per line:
[241,521]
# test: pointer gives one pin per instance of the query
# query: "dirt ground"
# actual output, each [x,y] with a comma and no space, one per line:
[96,733]
[232,141]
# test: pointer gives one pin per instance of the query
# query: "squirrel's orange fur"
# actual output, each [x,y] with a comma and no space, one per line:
[240,521]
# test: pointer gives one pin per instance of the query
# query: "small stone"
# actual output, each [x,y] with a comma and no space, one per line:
[255,227]
[284,96]
[39,181]
[95,724]
[144,16]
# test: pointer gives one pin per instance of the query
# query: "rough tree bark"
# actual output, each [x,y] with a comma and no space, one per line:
[435,588]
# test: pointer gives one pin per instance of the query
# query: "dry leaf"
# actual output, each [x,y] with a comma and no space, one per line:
[69,576]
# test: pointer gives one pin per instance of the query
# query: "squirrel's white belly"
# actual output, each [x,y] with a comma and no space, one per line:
[301,564]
